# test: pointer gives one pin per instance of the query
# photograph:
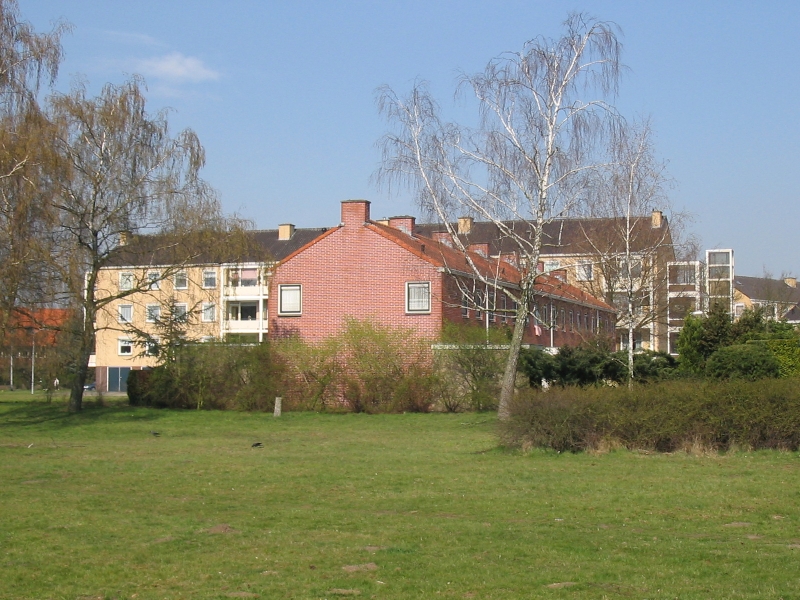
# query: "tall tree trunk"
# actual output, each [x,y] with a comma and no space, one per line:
[508,384]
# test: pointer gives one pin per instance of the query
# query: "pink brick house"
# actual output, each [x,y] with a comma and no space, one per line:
[365,269]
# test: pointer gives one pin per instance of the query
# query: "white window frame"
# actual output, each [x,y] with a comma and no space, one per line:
[126,281]
[423,304]
[209,309]
[154,277]
[206,274]
[152,313]
[124,342]
[295,308]
[183,278]
[551,265]
[584,271]
[121,308]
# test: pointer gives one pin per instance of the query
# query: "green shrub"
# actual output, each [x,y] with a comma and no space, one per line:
[787,353]
[663,416]
[743,361]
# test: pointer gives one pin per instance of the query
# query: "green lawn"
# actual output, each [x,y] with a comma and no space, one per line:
[390,506]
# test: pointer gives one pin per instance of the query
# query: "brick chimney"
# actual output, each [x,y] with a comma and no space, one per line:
[656,219]
[403,223]
[482,249]
[790,281]
[464,224]
[124,238]
[443,237]
[285,231]
[355,212]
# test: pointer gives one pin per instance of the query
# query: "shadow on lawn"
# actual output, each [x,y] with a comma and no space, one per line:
[14,413]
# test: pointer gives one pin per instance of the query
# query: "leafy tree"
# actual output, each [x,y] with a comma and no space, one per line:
[28,62]
[716,331]
[688,345]
[543,111]
[126,178]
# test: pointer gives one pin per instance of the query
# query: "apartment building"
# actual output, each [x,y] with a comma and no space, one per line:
[605,257]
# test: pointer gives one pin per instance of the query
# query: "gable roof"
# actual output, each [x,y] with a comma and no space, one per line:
[765,289]
[260,245]
[563,236]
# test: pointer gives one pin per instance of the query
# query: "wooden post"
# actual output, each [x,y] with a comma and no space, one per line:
[278,401]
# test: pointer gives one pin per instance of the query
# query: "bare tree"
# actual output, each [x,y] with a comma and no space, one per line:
[132,195]
[28,61]
[543,111]
[634,238]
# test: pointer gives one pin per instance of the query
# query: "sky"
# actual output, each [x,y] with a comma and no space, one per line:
[282,95]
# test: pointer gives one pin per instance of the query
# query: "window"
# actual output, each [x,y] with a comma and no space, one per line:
[125,281]
[153,313]
[584,272]
[738,310]
[209,312]
[124,347]
[151,347]
[290,299]
[563,320]
[125,314]
[478,305]
[154,277]
[209,279]
[181,313]
[465,305]
[180,280]
[243,311]
[571,321]
[243,277]
[551,265]
[418,297]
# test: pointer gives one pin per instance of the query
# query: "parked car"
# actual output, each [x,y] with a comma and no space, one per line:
[90,387]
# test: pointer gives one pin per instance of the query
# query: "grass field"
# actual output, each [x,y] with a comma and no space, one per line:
[390,506]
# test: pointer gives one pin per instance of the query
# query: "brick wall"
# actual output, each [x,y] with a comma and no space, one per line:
[353,272]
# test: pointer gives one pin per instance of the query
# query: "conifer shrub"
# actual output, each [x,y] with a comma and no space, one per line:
[664,416]
[743,361]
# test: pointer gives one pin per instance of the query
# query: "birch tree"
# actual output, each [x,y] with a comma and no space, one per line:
[128,180]
[543,111]
[635,234]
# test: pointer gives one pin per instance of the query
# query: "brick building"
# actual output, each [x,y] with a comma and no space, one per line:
[383,271]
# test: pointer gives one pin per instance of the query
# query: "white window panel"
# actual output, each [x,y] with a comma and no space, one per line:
[290,299]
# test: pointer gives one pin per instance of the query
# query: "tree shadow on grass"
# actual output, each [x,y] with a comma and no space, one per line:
[15,414]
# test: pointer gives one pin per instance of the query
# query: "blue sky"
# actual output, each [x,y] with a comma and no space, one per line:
[282,94]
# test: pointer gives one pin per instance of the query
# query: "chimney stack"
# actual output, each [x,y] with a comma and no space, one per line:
[482,249]
[285,231]
[443,237]
[655,221]
[404,223]
[355,212]
[124,238]
[464,225]
[790,281]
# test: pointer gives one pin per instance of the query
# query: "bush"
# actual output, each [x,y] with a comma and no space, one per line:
[743,361]
[213,376]
[787,353]
[664,416]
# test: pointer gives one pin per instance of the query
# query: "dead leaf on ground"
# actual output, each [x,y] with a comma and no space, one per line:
[754,537]
[365,567]
[269,572]
[737,524]
[162,540]
[374,548]
[561,584]
[341,592]
[221,528]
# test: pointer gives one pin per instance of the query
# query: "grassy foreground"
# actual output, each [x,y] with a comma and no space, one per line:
[387,506]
